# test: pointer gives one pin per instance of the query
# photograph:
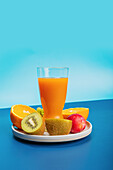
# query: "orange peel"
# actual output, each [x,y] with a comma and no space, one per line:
[78,110]
[18,112]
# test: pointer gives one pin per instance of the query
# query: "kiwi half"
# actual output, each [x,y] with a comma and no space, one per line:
[58,126]
[33,124]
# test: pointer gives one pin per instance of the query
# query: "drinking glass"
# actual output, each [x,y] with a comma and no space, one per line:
[53,83]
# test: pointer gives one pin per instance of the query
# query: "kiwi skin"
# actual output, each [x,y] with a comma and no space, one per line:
[38,131]
[58,126]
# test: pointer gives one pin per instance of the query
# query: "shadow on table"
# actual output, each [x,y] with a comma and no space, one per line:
[57,144]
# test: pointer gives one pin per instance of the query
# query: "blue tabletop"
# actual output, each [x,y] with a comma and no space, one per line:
[90,153]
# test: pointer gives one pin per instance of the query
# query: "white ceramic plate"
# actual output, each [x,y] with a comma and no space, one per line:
[47,138]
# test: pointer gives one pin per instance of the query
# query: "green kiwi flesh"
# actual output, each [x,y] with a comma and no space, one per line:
[33,124]
[58,126]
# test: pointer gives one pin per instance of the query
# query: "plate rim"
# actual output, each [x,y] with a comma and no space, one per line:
[57,138]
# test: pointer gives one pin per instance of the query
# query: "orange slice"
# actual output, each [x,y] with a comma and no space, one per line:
[18,112]
[82,111]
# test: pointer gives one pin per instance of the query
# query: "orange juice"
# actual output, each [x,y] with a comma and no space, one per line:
[53,94]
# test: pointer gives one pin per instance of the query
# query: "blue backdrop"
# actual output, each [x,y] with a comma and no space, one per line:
[77,34]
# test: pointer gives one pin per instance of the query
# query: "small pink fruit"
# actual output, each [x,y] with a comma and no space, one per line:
[78,123]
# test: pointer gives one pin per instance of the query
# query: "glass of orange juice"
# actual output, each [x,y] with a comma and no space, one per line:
[53,83]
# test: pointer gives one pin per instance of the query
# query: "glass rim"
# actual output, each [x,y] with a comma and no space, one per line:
[53,67]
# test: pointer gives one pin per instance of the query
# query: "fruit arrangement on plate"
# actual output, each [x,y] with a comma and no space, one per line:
[33,122]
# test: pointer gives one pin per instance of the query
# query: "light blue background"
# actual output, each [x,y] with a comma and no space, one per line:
[77,34]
